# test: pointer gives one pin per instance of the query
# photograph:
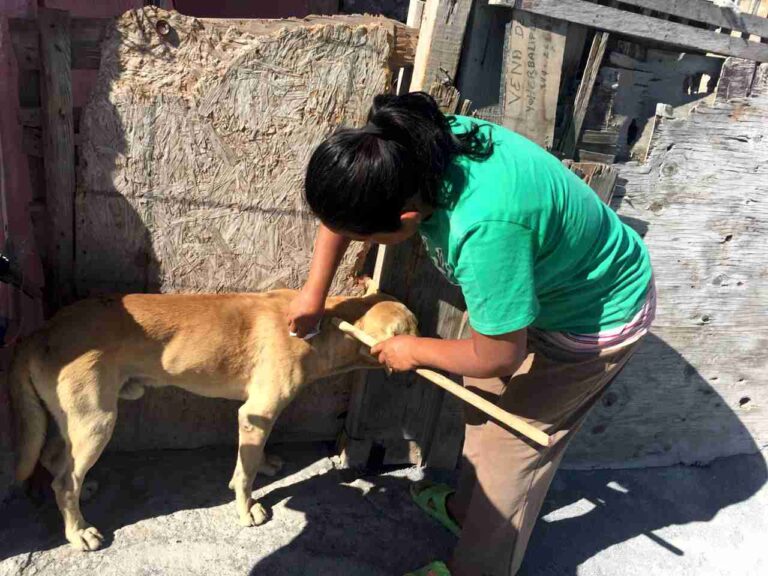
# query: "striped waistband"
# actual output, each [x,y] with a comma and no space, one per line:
[623,335]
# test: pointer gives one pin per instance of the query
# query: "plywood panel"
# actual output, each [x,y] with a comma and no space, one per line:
[698,388]
[194,145]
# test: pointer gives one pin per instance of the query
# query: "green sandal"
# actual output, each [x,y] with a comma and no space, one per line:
[433,569]
[431,498]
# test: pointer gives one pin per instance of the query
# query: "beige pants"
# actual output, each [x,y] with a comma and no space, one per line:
[505,478]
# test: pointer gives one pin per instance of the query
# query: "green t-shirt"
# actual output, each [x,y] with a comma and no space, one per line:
[531,244]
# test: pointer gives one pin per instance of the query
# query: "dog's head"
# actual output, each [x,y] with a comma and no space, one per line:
[386,318]
[377,314]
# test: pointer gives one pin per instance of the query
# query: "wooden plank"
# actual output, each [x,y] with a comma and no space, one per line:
[413,20]
[29,88]
[30,117]
[760,82]
[701,373]
[479,75]
[706,12]
[591,156]
[600,177]
[643,27]
[736,77]
[86,35]
[170,199]
[595,137]
[570,78]
[595,58]
[32,142]
[440,40]
[58,148]
[533,60]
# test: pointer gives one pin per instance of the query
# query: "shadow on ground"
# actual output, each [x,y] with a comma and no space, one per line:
[666,513]
[170,512]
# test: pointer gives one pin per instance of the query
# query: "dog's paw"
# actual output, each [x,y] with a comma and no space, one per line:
[271,465]
[86,539]
[255,516]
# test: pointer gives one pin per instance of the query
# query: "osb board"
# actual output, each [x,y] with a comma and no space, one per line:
[698,387]
[192,157]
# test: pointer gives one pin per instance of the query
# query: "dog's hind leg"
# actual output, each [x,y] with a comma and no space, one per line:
[86,419]
[53,452]
[85,444]
[255,420]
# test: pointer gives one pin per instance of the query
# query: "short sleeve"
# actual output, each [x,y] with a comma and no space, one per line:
[495,268]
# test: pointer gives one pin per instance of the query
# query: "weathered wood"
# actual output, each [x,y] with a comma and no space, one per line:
[440,41]
[185,184]
[600,177]
[627,91]
[695,389]
[593,156]
[413,20]
[87,34]
[32,142]
[736,79]
[594,60]
[479,74]
[58,150]
[29,89]
[402,407]
[706,12]
[533,60]
[30,117]
[643,27]
[405,409]
[570,80]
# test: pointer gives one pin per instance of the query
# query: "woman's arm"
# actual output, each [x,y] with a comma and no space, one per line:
[307,308]
[480,356]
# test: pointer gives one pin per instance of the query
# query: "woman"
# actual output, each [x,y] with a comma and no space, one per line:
[558,290]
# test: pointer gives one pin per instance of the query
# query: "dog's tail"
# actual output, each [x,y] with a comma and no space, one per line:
[28,411]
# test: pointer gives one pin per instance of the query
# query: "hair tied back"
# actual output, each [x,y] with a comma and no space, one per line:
[372,129]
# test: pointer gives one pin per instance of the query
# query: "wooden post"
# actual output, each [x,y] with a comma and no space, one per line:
[440,39]
[58,150]
[403,409]
[573,130]
[415,13]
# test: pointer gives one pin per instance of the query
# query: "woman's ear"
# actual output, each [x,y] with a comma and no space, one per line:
[410,220]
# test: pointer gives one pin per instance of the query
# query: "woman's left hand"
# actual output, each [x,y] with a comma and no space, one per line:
[397,353]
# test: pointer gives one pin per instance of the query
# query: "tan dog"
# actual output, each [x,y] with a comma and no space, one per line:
[232,346]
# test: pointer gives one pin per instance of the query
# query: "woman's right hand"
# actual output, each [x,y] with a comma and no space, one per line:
[306,310]
[305,313]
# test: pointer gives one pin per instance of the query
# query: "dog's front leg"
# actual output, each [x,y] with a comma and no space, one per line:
[255,420]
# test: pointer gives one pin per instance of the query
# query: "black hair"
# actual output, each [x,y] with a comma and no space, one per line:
[360,179]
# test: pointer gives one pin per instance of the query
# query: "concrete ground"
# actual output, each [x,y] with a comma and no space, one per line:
[170,513]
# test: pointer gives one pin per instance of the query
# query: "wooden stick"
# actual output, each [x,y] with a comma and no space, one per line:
[475,400]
